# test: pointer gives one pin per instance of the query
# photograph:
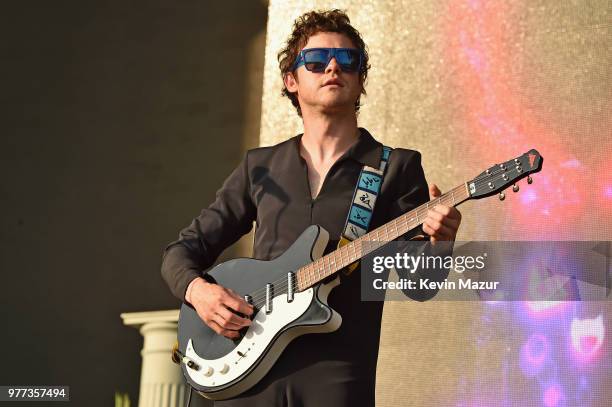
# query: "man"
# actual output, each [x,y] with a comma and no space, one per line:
[308,179]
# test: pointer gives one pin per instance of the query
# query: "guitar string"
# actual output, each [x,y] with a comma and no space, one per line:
[258,297]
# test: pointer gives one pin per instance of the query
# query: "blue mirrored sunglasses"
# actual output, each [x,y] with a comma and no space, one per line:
[317,59]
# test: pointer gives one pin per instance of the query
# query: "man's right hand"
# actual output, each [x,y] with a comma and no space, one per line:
[217,307]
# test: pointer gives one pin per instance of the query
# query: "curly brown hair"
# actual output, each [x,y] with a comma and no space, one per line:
[306,26]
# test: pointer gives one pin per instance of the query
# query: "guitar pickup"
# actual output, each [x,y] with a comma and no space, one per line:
[269,297]
[290,286]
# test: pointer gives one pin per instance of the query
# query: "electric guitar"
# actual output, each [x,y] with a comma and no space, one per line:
[290,298]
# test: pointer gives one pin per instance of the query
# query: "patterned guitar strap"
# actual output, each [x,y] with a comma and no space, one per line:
[364,198]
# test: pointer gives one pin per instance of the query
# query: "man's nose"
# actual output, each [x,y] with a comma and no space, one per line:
[333,66]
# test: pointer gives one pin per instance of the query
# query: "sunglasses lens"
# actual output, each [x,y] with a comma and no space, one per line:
[348,60]
[315,60]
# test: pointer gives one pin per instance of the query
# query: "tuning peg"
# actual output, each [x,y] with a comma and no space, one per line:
[515,188]
[529,179]
[502,196]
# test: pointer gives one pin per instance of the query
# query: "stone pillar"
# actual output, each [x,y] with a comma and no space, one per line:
[161,380]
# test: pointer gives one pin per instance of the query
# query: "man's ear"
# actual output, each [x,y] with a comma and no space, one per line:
[291,82]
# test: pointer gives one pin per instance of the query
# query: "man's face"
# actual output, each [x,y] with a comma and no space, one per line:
[331,91]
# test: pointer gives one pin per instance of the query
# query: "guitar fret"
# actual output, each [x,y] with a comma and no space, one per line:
[312,272]
[341,252]
[304,275]
[323,267]
[345,256]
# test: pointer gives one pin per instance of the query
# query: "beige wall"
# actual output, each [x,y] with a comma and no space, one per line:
[441,353]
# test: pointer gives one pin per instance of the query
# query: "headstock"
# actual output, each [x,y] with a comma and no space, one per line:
[501,176]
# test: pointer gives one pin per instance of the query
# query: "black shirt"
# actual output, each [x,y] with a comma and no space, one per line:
[270,187]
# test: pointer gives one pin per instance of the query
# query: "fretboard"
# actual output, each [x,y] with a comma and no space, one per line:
[331,263]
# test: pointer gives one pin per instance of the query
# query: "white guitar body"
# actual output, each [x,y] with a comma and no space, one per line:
[226,368]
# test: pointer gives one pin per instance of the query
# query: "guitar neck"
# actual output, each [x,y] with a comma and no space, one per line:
[333,262]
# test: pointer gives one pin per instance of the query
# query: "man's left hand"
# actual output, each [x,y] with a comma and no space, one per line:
[442,222]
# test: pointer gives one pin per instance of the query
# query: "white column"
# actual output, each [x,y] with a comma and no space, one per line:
[161,380]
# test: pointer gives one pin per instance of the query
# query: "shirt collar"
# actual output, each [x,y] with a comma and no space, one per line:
[366,150]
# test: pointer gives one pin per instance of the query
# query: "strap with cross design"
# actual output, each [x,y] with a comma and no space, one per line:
[360,213]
